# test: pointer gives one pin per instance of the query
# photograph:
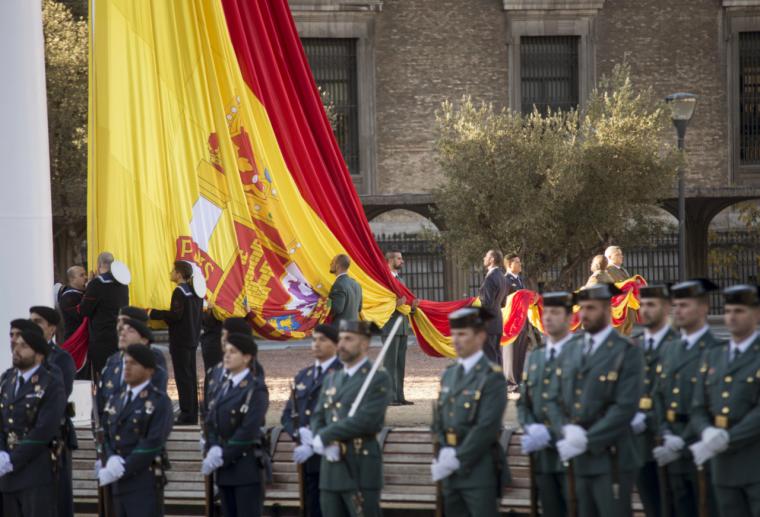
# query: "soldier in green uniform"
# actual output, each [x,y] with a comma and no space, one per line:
[726,409]
[591,405]
[467,421]
[395,359]
[677,374]
[658,335]
[351,472]
[548,471]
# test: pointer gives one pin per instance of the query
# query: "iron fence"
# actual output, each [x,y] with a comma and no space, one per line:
[733,257]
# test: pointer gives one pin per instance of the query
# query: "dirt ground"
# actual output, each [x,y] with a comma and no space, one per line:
[421,384]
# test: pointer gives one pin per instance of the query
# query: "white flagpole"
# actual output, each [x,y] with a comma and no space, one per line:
[26,228]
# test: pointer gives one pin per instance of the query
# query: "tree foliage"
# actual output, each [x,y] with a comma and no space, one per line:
[554,188]
[66,74]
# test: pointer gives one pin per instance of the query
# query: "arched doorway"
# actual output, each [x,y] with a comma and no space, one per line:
[415,236]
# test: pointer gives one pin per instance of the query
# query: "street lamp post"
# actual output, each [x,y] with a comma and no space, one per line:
[681,110]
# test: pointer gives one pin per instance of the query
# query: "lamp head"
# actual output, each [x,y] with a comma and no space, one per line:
[681,106]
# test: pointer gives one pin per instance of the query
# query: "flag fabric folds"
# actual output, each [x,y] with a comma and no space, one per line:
[208,142]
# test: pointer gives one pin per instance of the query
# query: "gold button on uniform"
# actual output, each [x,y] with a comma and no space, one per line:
[725,410]
[728,378]
[725,394]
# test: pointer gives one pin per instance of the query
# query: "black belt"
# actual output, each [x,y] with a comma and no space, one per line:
[674,417]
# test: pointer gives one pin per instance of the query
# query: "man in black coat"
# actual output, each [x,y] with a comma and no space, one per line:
[301,405]
[493,296]
[101,303]
[514,355]
[69,298]
[184,320]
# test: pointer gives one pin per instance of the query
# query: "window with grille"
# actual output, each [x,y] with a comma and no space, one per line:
[749,98]
[549,73]
[333,63]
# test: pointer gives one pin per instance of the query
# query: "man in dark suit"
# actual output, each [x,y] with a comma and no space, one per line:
[296,417]
[493,296]
[395,358]
[345,294]
[184,320]
[101,303]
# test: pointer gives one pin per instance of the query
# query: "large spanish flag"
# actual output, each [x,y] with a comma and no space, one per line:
[208,142]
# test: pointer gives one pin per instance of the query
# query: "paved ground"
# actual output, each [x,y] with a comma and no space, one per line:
[282,361]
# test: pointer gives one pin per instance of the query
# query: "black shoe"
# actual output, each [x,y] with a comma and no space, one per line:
[395,403]
[407,403]
[185,420]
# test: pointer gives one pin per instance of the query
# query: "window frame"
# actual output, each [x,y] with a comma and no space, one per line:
[356,22]
[545,80]
[738,21]
[563,22]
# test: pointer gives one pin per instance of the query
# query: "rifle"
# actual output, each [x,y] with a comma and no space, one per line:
[295,417]
[208,481]
[436,450]
[702,486]
[105,502]
[572,501]
[662,478]
[533,487]
[378,361]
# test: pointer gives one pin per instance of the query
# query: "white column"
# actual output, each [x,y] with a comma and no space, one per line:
[26,234]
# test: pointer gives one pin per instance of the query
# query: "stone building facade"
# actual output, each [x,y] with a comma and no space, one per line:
[410,55]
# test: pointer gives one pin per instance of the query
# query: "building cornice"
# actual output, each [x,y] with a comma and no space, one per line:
[551,5]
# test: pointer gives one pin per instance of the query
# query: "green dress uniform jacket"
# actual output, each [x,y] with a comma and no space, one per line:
[395,358]
[359,472]
[647,479]
[468,416]
[677,378]
[727,396]
[532,409]
[600,392]
[345,299]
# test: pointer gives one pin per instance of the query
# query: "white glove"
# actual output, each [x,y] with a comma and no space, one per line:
[639,423]
[567,450]
[202,445]
[306,436]
[318,446]
[673,442]
[332,452]
[97,468]
[445,464]
[701,452]
[715,439]
[5,463]
[529,444]
[212,461]
[664,455]
[105,477]
[115,466]
[302,453]
[539,432]
[575,435]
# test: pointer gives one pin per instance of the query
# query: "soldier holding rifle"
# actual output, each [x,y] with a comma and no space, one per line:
[547,471]
[137,421]
[32,403]
[726,410]
[677,376]
[298,411]
[468,421]
[235,411]
[596,396]
[349,414]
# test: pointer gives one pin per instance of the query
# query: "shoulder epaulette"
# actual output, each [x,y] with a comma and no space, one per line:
[496,368]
